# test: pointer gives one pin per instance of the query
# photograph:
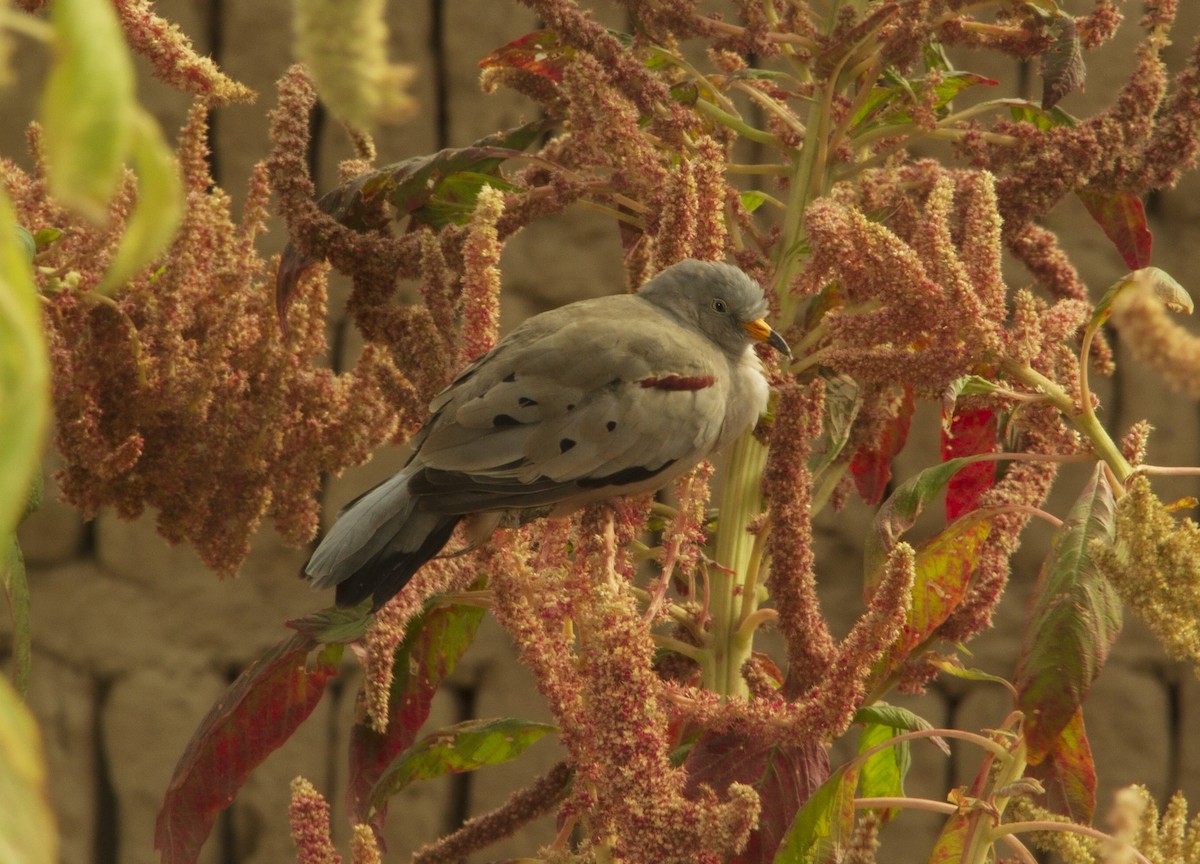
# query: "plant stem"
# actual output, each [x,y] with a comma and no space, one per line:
[1085,421]
[741,501]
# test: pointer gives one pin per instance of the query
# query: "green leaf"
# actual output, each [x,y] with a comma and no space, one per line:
[16,590]
[1074,618]
[87,106]
[27,242]
[901,511]
[27,831]
[883,773]
[433,643]
[24,375]
[825,823]
[842,403]
[1043,118]
[159,207]
[893,716]
[890,104]
[953,666]
[45,236]
[752,200]
[1149,280]
[335,624]
[466,746]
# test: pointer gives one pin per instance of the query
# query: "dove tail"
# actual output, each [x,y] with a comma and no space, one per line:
[378,542]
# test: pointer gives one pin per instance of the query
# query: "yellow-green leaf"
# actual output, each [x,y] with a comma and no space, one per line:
[159,207]
[27,831]
[24,375]
[464,746]
[87,105]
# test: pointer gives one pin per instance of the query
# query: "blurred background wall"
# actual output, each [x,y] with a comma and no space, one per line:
[135,640]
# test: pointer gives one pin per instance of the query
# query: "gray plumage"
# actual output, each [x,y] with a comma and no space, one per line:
[612,396]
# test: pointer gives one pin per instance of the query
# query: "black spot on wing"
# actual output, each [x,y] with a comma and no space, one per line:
[526,402]
[625,476]
[505,420]
[611,425]
[510,377]
[565,444]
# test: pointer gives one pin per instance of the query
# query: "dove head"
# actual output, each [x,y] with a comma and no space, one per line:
[717,299]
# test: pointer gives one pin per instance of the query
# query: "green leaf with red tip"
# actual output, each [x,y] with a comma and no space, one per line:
[944,567]
[968,432]
[1074,618]
[901,511]
[1068,773]
[466,746]
[258,713]
[825,824]
[871,464]
[784,775]
[1123,219]
[432,647]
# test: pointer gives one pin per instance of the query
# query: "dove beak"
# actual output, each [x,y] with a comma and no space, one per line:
[761,330]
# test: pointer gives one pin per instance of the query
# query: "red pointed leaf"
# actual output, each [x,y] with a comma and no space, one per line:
[258,713]
[871,464]
[784,777]
[539,53]
[967,433]
[430,651]
[1074,618]
[1123,219]
[1069,774]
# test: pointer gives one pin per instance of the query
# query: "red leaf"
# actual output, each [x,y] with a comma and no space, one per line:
[538,53]
[1123,219]
[968,432]
[1069,774]
[434,643]
[871,464]
[258,713]
[784,777]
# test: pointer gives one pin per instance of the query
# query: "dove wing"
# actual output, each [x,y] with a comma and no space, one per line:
[573,407]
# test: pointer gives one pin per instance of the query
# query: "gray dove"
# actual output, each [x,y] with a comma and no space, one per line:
[610,396]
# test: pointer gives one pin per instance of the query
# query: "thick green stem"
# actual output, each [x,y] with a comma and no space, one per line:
[1085,421]
[741,502]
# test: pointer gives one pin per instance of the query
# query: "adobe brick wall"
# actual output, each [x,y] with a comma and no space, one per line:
[135,640]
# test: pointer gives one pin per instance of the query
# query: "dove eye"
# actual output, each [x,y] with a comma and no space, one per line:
[718,306]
